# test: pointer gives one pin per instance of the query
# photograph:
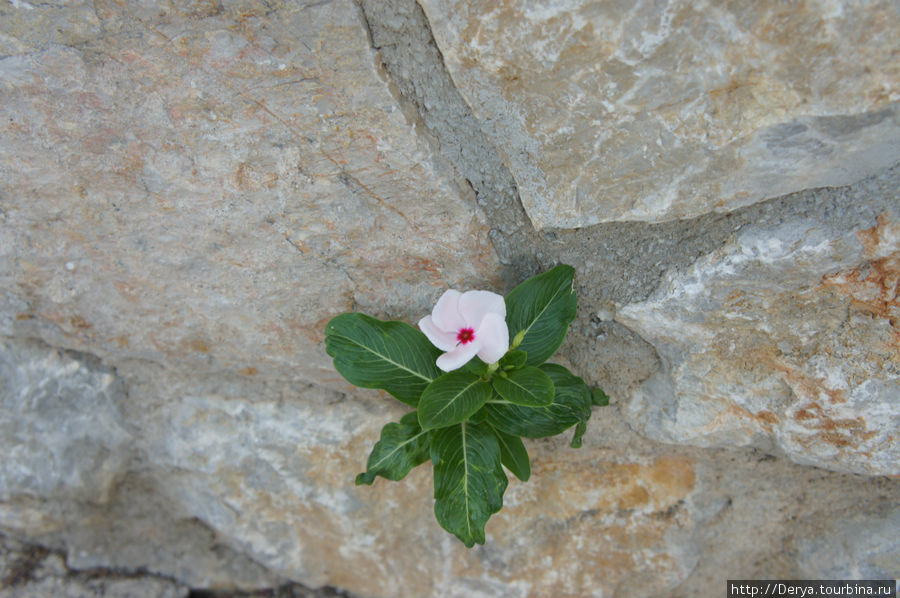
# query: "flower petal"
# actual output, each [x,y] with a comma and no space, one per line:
[494,338]
[458,357]
[445,341]
[445,314]
[475,305]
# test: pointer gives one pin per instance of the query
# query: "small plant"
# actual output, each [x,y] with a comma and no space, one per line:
[475,393]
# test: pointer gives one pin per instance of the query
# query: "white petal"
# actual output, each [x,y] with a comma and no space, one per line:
[445,314]
[458,357]
[475,305]
[494,338]
[445,341]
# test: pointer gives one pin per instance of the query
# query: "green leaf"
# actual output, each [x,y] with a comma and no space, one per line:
[475,366]
[392,356]
[542,307]
[513,455]
[479,416]
[402,447]
[469,480]
[514,360]
[571,405]
[451,399]
[580,429]
[599,398]
[529,386]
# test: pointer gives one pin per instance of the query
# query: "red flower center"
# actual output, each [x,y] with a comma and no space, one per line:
[466,335]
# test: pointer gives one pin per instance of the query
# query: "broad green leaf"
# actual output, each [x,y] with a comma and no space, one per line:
[542,307]
[529,387]
[571,405]
[513,455]
[475,366]
[479,416]
[469,480]
[514,360]
[599,398]
[402,447]
[451,399]
[392,356]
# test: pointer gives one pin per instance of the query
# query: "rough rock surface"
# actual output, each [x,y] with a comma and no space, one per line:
[269,468]
[59,416]
[72,465]
[190,190]
[205,186]
[33,572]
[870,551]
[787,338]
[28,571]
[659,110]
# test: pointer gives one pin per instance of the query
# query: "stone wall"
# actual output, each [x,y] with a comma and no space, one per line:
[189,192]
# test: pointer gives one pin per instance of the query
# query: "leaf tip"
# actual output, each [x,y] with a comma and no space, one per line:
[599,398]
[365,479]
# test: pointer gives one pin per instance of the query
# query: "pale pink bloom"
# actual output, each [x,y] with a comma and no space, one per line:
[465,325]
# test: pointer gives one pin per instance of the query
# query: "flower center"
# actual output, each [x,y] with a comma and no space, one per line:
[466,335]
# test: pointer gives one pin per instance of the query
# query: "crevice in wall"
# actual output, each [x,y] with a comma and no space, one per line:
[400,32]
[617,263]
[620,262]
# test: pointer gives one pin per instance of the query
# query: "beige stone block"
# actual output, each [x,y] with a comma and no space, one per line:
[207,188]
[786,339]
[652,111]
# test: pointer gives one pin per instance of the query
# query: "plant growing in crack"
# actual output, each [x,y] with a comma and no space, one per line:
[475,393]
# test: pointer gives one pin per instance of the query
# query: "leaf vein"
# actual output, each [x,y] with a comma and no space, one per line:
[399,446]
[545,308]
[385,358]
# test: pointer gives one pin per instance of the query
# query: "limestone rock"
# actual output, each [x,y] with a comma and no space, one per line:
[52,579]
[659,110]
[247,481]
[190,190]
[276,478]
[32,572]
[784,339]
[869,546]
[766,518]
[62,434]
[205,186]
[70,474]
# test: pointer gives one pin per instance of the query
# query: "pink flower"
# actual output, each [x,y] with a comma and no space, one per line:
[465,325]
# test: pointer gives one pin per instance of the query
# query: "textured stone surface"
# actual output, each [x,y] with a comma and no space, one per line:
[267,473]
[660,110]
[32,572]
[29,571]
[785,339]
[61,430]
[869,547]
[401,33]
[73,475]
[245,481]
[205,186]
[262,472]
[269,466]
[188,191]
[762,518]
